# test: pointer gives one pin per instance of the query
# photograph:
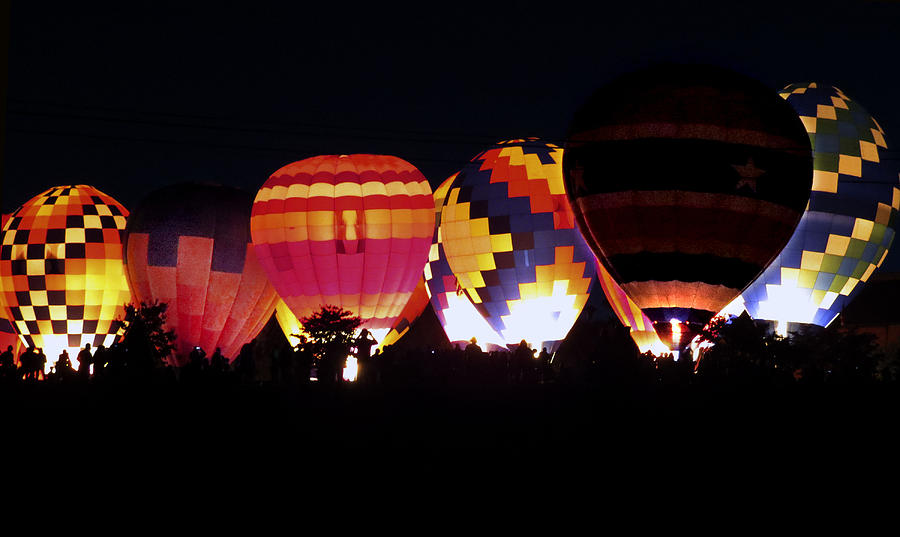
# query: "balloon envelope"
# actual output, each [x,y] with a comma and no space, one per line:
[850,221]
[61,266]
[510,239]
[288,323]
[8,335]
[629,314]
[347,230]
[452,306]
[414,307]
[686,181]
[188,245]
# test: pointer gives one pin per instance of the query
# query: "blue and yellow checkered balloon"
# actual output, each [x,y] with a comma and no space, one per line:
[849,224]
[509,236]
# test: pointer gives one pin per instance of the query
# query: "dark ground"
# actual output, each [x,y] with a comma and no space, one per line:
[540,428]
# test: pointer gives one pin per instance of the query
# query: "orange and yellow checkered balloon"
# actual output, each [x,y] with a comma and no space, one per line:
[63,277]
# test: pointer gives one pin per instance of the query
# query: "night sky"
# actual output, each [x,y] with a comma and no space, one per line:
[134,96]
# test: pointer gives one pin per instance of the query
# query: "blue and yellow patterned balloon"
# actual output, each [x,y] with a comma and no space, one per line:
[509,236]
[453,308]
[849,224]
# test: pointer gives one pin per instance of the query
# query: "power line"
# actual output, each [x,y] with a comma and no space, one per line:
[294,150]
[379,135]
[280,127]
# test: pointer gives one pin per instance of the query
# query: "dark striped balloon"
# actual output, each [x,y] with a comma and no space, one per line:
[686,181]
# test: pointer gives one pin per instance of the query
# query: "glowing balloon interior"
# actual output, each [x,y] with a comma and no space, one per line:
[62,273]
[288,322]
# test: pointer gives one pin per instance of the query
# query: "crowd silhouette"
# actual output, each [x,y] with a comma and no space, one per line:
[596,388]
[597,353]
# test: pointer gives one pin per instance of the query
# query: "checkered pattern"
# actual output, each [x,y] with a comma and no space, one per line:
[8,335]
[61,268]
[509,235]
[439,278]
[456,313]
[849,224]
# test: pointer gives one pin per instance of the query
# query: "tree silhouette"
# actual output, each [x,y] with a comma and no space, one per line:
[148,343]
[840,354]
[331,331]
[743,350]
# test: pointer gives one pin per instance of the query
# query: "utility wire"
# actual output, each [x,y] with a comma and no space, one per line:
[430,137]
[272,126]
[294,150]
[379,135]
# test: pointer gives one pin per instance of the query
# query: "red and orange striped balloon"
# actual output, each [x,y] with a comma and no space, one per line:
[346,230]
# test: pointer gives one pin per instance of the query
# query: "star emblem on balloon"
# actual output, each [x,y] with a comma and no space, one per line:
[749,173]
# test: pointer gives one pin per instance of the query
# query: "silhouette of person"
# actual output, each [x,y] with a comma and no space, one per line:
[64,365]
[218,363]
[84,361]
[198,358]
[27,361]
[246,366]
[7,363]
[544,364]
[472,354]
[364,344]
[523,357]
[196,366]
[100,360]
[374,373]
[473,347]
[305,358]
[40,361]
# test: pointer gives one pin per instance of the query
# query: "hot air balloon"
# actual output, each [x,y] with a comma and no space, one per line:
[510,239]
[61,267]
[188,245]
[414,307]
[346,230]
[8,335]
[456,313]
[640,327]
[850,221]
[686,181]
